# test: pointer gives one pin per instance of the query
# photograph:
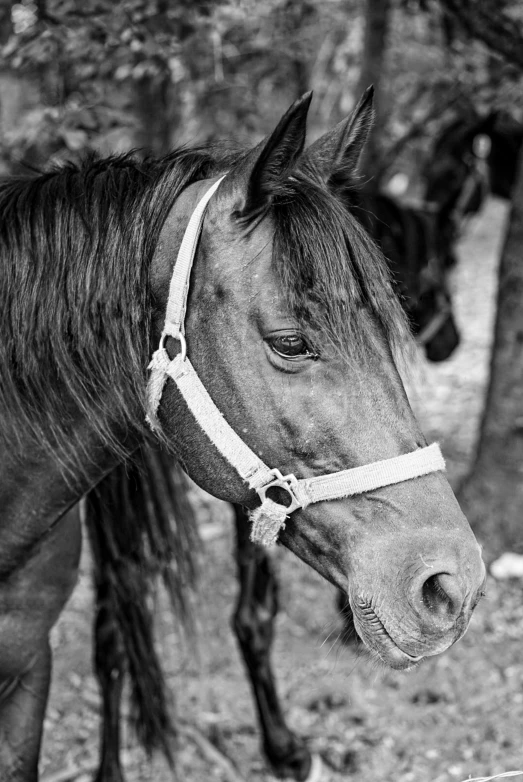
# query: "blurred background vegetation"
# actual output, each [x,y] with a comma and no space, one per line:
[158,73]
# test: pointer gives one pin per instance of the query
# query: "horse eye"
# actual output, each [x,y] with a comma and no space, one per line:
[291,346]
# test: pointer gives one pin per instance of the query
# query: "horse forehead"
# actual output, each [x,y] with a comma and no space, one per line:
[241,272]
[240,255]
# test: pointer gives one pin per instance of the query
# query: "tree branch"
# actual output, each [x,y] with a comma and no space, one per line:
[483,21]
[417,129]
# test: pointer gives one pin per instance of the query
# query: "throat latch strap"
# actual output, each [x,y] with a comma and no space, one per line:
[288,492]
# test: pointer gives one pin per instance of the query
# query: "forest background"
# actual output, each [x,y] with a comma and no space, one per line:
[153,74]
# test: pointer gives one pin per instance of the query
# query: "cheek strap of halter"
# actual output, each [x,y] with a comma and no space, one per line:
[270,517]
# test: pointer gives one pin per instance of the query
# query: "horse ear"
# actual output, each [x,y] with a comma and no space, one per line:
[271,160]
[336,154]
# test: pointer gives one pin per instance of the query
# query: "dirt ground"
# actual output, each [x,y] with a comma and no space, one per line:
[459,715]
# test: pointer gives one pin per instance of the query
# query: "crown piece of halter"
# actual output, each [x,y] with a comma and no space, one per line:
[269,518]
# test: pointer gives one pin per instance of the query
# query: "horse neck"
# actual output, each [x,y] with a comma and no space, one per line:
[36,491]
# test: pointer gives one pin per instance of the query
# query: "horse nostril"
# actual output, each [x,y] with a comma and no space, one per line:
[442,595]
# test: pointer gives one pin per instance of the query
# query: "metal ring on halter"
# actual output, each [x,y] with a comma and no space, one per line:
[180,337]
[284,482]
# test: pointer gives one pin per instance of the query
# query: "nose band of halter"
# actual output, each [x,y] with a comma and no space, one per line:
[269,518]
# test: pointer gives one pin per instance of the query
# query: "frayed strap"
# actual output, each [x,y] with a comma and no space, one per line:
[158,368]
[267,522]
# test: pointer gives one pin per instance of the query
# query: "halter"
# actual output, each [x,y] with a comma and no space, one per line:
[477,176]
[437,320]
[269,518]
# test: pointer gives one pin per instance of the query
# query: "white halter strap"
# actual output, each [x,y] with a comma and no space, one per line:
[269,518]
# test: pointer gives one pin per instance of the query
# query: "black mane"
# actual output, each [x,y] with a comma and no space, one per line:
[76,245]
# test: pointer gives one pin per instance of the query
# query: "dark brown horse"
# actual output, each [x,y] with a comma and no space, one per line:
[417,262]
[416,258]
[416,254]
[495,138]
[473,156]
[291,327]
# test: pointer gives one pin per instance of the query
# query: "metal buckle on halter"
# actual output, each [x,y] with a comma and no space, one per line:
[284,482]
[180,337]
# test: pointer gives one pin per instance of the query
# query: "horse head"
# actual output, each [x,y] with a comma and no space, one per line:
[457,175]
[430,309]
[291,328]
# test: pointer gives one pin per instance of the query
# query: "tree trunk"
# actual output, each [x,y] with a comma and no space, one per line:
[155,111]
[155,103]
[19,92]
[492,495]
[377,13]
[492,23]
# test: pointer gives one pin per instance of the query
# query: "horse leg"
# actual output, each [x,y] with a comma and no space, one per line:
[109,653]
[110,671]
[32,595]
[254,626]
[23,698]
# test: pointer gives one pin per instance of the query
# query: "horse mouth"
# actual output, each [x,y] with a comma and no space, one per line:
[378,640]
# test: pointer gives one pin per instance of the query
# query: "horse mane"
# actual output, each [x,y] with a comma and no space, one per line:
[76,245]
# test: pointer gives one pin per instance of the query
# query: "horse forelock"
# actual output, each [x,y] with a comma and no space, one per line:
[331,271]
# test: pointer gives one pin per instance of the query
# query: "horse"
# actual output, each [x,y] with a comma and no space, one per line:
[416,256]
[283,346]
[473,156]
[417,262]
